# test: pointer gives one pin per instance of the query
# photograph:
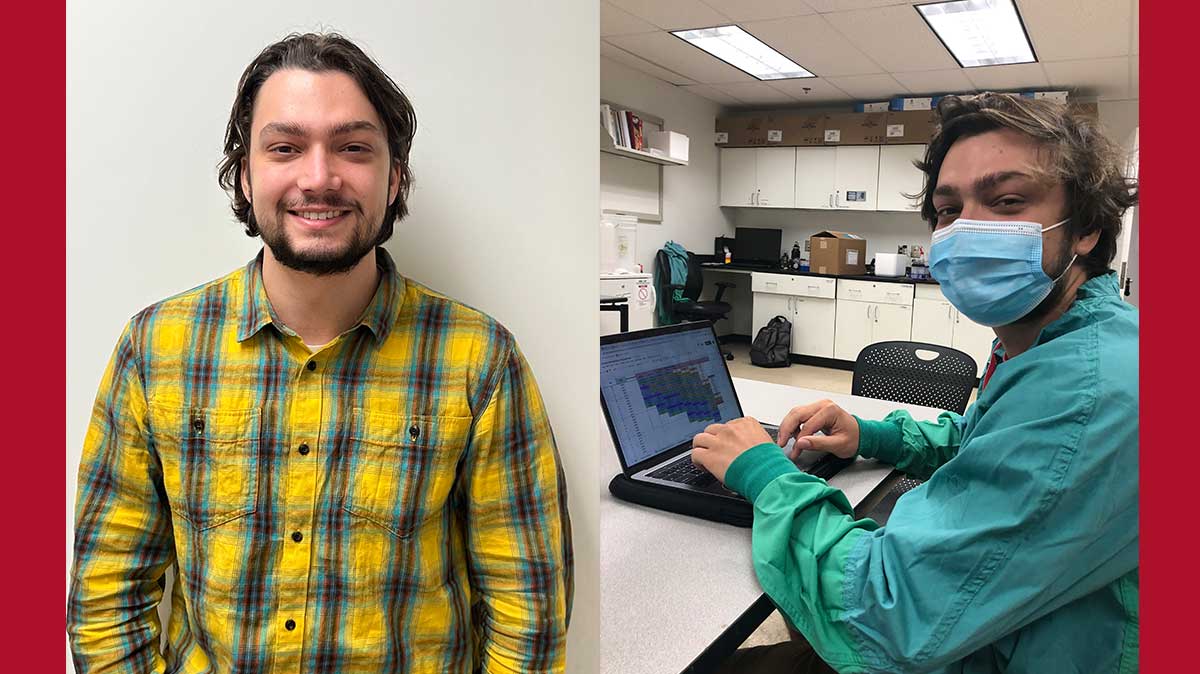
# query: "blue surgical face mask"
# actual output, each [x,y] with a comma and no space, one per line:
[991,271]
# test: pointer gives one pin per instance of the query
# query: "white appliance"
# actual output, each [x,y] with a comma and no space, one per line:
[638,289]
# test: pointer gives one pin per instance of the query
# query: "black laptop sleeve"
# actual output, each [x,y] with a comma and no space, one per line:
[739,514]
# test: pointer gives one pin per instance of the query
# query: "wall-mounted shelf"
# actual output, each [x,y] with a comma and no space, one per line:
[607,145]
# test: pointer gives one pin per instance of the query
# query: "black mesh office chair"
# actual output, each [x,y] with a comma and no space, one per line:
[695,310]
[896,371]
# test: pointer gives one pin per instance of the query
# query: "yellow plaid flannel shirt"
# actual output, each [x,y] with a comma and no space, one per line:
[393,502]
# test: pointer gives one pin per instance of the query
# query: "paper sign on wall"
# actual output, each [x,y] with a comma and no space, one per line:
[852,256]
[722,137]
[895,130]
[774,135]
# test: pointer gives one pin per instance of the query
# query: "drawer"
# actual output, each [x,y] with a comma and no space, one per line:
[873,291]
[928,291]
[792,284]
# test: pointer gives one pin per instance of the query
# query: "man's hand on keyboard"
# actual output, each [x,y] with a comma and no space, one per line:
[840,429]
[720,444]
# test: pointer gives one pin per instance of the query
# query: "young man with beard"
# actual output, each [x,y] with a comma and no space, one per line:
[1020,551]
[349,472]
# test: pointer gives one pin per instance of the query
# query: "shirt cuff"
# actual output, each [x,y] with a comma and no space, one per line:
[757,467]
[881,440]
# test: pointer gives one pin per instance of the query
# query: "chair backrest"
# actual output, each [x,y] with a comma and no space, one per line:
[894,371]
[692,286]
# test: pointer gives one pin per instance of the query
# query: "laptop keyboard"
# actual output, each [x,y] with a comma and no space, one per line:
[684,471]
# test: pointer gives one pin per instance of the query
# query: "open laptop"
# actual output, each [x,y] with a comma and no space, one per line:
[659,388]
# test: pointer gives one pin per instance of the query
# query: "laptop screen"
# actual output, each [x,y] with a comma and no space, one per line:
[662,389]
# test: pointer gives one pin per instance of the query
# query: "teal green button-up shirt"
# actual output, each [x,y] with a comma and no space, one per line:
[1020,552]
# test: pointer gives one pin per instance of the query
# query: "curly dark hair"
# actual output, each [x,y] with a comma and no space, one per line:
[1081,156]
[319,53]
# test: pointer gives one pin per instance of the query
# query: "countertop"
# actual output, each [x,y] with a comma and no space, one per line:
[854,277]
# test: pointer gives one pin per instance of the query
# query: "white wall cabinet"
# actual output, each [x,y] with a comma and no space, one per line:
[856,178]
[758,176]
[814,176]
[898,176]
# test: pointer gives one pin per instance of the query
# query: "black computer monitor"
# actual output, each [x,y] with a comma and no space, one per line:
[757,246]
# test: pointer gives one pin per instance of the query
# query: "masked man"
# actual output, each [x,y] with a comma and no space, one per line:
[1020,552]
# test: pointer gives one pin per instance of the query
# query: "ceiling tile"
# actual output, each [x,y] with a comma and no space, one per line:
[1066,30]
[820,91]
[895,37]
[868,87]
[1107,79]
[672,53]
[757,10]
[1001,78]
[616,21]
[621,56]
[936,82]
[827,6]
[712,93]
[673,14]
[812,42]
[756,93]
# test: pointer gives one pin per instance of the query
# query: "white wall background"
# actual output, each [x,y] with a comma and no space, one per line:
[503,213]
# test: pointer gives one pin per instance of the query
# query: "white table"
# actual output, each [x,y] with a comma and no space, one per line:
[671,585]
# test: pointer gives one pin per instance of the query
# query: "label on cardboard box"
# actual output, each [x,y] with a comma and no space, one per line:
[833,135]
[774,135]
[852,257]
[723,137]
[895,130]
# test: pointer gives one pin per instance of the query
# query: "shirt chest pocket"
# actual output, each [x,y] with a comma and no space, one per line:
[209,462]
[401,470]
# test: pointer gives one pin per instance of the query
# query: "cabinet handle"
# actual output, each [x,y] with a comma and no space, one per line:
[837,198]
[949,312]
[831,200]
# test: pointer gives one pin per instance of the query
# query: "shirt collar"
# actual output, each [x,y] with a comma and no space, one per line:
[1096,288]
[379,316]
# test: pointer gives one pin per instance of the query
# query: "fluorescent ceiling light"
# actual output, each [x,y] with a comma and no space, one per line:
[980,32]
[743,51]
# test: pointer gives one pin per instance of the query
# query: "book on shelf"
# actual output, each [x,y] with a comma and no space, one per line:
[636,139]
[606,119]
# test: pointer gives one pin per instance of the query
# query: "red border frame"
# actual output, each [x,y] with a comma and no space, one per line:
[36,346]
[1167,237]
[35,337]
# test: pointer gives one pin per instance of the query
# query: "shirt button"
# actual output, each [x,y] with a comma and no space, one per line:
[198,425]
[303,449]
[297,536]
[414,432]
[312,365]
[290,624]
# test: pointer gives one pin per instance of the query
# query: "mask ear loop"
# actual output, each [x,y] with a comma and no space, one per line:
[1073,257]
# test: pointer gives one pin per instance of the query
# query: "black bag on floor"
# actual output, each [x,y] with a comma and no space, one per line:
[772,344]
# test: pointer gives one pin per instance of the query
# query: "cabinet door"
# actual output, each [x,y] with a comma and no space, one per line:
[813,326]
[933,322]
[898,176]
[892,322]
[768,306]
[974,340]
[814,177]
[776,171]
[738,181]
[856,170]
[853,328]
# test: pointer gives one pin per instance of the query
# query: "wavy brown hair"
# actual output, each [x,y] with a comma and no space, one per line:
[1081,156]
[317,52]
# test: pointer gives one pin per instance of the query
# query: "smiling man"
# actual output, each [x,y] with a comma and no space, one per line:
[348,472]
[1020,551]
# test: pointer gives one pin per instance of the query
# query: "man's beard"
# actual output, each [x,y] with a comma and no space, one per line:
[322,262]
[1056,291]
